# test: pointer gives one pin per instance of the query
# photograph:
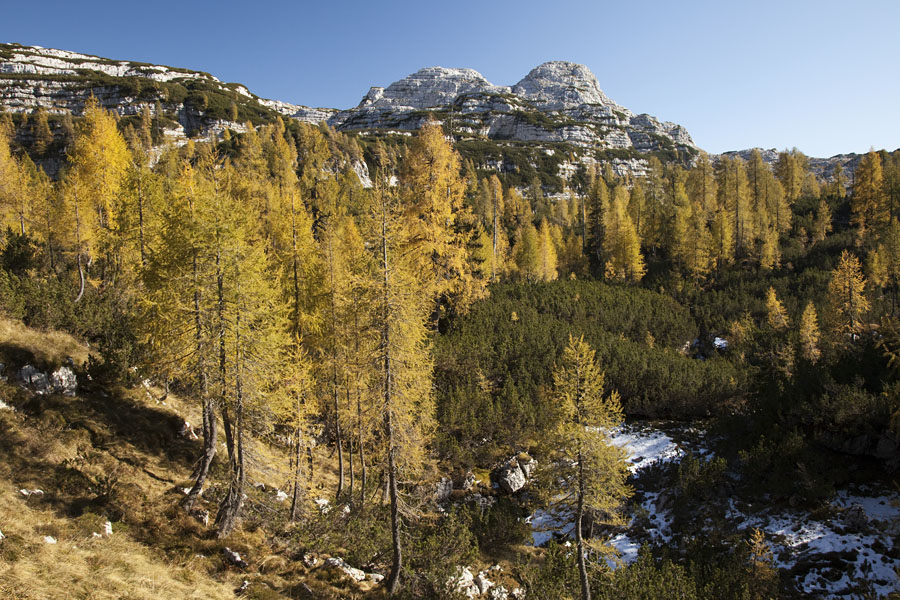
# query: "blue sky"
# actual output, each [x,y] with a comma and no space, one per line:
[822,76]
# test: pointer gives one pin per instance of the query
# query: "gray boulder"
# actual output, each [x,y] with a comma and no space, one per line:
[34,379]
[443,489]
[511,479]
[63,381]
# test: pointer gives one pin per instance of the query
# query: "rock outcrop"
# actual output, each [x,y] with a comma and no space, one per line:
[557,102]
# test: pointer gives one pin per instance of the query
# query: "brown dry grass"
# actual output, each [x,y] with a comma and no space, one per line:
[81,566]
[62,445]
[49,348]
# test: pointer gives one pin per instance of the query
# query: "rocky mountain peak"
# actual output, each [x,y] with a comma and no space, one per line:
[559,85]
[427,88]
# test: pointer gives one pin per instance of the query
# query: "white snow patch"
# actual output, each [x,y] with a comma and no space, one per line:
[545,525]
[627,549]
[644,447]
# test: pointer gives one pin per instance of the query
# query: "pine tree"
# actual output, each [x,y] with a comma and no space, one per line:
[432,189]
[527,253]
[406,405]
[98,163]
[867,203]
[791,169]
[593,471]
[838,187]
[621,243]
[846,298]
[809,334]
[822,223]
[178,305]
[43,137]
[546,253]
[734,203]
[776,315]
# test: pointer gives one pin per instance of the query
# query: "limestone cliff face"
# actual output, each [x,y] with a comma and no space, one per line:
[557,102]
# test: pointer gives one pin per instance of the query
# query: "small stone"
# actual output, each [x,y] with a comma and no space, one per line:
[310,561]
[49,539]
[234,558]
[281,496]
[107,529]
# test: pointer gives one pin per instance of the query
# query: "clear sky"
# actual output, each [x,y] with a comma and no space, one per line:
[823,76]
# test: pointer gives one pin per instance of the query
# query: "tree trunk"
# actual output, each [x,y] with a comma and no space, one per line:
[350,448]
[81,276]
[230,508]
[210,439]
[393,584]
[295,501]
[579,542]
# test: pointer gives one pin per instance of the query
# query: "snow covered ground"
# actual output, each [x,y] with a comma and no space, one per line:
[831,556]
[841,552]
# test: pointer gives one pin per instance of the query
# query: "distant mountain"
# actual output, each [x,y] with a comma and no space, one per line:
[557,103]
[821,167]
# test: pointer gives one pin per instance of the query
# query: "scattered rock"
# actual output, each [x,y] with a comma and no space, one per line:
[375,577]
[201,515]
[443,489]
[281,496]
[49,539]
[463,582]
[352,572]
[527,464]
[499,593]
[483,502]
[310,561]
[518,593]
[97,536]
[187,431]
[34,379]
[30,493]
[63,381]
[468,481]
[233,558]
[510,477]
[107,529]
[324,505]
[483,583]
[244,585]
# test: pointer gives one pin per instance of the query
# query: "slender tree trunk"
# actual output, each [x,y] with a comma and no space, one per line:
[334,371]
[210,439]
[210,433]
[362,451]
[579,542]
[393,584]
[295,500]
[81,277]
[350,446]
[397,556]
[230,508]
